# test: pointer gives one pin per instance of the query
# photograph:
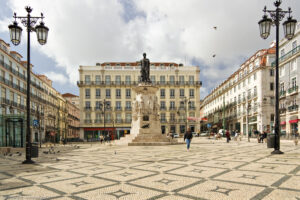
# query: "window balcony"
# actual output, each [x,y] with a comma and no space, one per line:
[128,121]
[293,89]
[98,109]
[172,120]
[172,108]
[282,93]
[97,121]
[118,108]
[87,121]
[163,120]
[293,108]
[119,121]
[192,108]
[128,108]
[88,108]
[163,108]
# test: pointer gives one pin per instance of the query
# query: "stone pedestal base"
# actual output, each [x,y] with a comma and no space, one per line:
[145,126]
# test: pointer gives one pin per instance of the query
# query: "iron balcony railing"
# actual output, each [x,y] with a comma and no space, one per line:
[282,93]
[293,108]
[287,55]
[293,89]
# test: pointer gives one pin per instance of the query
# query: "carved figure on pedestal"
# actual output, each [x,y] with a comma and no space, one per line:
[145,69]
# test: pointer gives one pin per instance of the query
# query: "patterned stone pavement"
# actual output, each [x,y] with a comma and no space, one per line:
[210,170]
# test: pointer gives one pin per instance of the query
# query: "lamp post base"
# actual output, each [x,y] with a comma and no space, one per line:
[276,152]
[28,162]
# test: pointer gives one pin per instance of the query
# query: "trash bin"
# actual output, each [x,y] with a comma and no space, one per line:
[270,140]
[34,149]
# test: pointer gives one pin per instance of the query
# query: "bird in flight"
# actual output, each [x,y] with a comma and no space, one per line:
[215,27]
[214,55]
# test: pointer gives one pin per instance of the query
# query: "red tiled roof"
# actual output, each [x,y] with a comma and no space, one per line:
[69,95]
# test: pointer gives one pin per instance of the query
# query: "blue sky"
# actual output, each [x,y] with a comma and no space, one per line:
[91,31]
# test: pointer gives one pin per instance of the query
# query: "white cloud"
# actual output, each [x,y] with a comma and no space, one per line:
[56,77]
[86,32]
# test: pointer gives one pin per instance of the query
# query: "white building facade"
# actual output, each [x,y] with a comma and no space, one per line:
[289,75]
[245,101]
[111,84]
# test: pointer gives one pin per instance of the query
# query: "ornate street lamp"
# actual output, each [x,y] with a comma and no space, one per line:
[15,36]
[289,30]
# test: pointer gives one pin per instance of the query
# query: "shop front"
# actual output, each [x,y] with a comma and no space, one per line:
[294,126]
[12,131]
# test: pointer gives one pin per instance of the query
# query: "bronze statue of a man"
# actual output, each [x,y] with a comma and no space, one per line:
[145,69]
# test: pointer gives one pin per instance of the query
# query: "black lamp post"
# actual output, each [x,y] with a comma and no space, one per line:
[15,36]
[289,30]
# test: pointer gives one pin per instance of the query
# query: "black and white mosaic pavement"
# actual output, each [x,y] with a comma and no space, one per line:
[210,170]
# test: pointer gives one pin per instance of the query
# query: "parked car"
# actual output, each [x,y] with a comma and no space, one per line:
[176,135]
[195,134]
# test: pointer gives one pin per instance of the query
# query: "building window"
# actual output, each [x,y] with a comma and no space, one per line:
[191,92]
[98,93]
[282,52]
[98,79]
[118,80]
[271,86]
[107,93]
[127,80]
[162,104]
[118,93]
[181,92]
[172,79]
[128,117]
[98,105]
[118,105]
[281,87]
[172,93]
[172,104]
[191,79]
[162,79]
[294,46]
[107,79]
[162,93]
[272,117]
[87,79]
[88,105]
[271,72]
[294,82]
[87,93]
[255,90]
[128,93]
[88,116]
[181,79]
[191,104]
[163,117]
[128,104]
[152,79]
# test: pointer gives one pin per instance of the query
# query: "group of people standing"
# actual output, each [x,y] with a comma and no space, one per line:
[105,138]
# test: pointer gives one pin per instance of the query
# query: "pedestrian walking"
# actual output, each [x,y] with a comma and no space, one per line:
[249,135]
[101,138]
[227,136]
[188,138]
[296,138]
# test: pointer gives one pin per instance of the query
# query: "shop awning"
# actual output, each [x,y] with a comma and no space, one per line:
[283,123]
[294,121]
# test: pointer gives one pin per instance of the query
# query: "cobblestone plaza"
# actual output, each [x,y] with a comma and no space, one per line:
[210,170]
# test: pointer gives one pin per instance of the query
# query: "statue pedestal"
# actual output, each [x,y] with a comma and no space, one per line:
[145,126]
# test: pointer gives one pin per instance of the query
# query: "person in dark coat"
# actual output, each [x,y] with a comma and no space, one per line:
[188,138]
[228,136]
